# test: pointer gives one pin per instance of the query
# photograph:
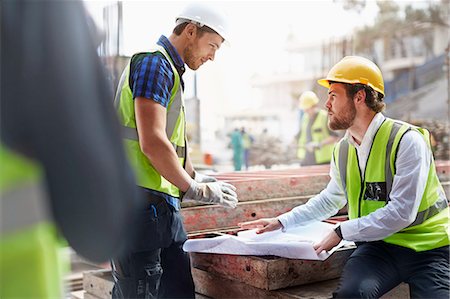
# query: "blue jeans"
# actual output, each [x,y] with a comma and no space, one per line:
[156,265]
[375,268]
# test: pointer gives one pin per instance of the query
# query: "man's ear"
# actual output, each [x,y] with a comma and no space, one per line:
[360,96]
[190,30]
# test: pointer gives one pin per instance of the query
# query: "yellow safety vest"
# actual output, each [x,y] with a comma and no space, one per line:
[319,132]
[366,194]
[146,173]
[29,263]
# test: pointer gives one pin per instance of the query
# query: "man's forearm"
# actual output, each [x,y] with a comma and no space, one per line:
[165,160]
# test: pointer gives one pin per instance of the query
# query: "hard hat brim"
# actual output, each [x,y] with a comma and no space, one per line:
[324,82]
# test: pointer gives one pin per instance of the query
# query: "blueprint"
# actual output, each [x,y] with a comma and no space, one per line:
[295,243]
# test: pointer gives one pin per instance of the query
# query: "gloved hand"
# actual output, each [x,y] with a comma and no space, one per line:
[212,193]
[311,146]
[203,178]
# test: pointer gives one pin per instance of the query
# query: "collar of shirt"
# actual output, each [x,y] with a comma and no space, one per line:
[364,148]
[173,53]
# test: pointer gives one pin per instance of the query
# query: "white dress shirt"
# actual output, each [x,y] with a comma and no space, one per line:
[412,166]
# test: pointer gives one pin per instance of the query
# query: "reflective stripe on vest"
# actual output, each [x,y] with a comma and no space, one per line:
[433,201]
[147,175]
[30,200]
[23,198]
[132,134]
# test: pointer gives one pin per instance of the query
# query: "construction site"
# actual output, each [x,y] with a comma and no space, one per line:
[253,140]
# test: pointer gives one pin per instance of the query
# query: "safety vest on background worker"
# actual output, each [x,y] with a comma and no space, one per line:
[147,175]
[319,132]
[365,195]
[30,263]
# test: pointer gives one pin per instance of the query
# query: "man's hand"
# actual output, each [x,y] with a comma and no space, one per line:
[212,193]
[202,178]
[311,146]
[264,225]
[330,241]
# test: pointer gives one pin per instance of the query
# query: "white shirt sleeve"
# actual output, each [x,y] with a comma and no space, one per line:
[412,167]
[322,206]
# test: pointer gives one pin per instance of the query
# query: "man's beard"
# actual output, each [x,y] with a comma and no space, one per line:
[190,58]
[343,121]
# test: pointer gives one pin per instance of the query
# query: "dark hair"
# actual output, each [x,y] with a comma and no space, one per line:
[201,30]
[374,99]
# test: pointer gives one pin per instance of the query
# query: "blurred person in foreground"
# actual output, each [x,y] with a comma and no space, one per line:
[316,141]
[150,103]
[64,172]
[383,169]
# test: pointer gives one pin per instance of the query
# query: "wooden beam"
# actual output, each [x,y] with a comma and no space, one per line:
[270,272]
[215,286]
[216,217]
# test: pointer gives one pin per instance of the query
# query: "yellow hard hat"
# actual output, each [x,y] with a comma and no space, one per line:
[355,69]
[307,100]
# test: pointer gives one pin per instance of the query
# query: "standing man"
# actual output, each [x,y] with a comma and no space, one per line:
[384,170]
[238,149]
[316,141]
[151,108]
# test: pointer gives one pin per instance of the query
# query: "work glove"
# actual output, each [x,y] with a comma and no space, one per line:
[203,178]
[212,193]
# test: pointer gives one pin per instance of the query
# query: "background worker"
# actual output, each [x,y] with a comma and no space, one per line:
[316,141]
[238,149]
[63,173]
[384,170]
[151,108]
[247,141]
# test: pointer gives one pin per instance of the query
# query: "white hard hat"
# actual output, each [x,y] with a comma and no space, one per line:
[204,14]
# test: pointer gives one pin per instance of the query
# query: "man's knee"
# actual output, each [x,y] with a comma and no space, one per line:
[367,288]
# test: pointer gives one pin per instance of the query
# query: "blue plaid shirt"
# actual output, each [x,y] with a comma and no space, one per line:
[151,77]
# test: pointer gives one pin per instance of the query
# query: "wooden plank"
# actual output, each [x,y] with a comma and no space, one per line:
[278,187]
[216,217]
[269,272]
[98,283]
[219,287]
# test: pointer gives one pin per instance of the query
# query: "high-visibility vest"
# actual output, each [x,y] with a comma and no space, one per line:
[146,174]
[319,132]
[365,194]
[30,265]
